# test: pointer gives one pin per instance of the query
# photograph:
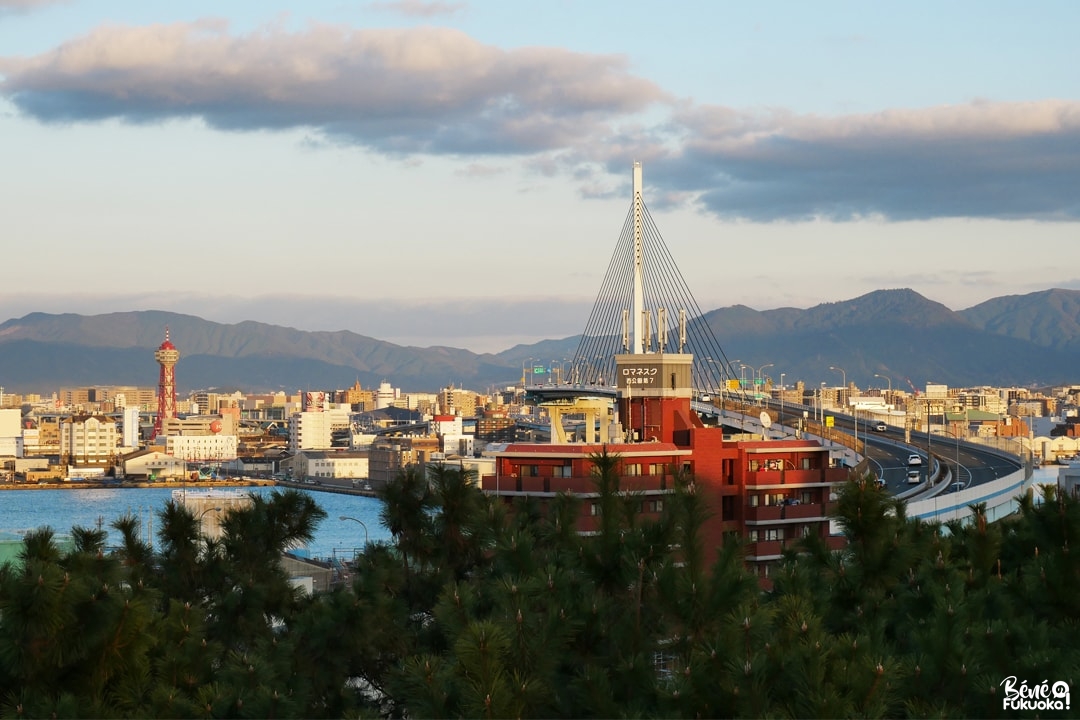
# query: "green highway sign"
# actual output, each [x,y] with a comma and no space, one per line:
[539,370]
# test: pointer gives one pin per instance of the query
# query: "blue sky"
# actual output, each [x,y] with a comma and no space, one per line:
[458,173]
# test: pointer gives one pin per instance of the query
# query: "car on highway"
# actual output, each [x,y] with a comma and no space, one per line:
[881,483]
[880,427]
[914,459]
[913,477]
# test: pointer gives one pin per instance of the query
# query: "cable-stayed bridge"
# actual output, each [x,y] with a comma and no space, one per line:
[645,306]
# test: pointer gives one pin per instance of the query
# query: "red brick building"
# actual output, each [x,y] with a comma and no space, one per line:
[770,492]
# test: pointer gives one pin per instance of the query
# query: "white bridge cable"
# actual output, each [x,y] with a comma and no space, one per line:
[664,287]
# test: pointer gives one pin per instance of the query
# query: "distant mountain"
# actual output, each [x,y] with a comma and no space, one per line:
[45,351]
[1017,340]
[895,333]
[1050,318]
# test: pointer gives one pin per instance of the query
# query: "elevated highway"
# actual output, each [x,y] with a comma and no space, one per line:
[953,473]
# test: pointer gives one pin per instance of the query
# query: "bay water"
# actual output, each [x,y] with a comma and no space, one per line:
[61,509]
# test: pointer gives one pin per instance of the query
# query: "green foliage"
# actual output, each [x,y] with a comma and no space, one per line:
[478,608]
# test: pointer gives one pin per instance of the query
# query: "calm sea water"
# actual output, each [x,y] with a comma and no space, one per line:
[22,510]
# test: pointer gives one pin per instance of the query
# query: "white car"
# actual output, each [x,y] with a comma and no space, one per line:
[880,427]
[913,477]
[914,459]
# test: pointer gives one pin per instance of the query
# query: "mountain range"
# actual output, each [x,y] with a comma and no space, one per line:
[1029,340]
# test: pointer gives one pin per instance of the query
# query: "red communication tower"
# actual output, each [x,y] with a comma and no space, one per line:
[167,356]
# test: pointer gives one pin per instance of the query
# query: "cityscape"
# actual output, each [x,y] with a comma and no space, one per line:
[357,360]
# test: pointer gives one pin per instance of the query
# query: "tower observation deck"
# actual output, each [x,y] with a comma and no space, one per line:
[644,306]
[167,356]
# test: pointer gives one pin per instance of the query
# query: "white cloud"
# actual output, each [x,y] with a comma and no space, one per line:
[436,91]
[416,8]
[26,5]
[412,90]
[981,159]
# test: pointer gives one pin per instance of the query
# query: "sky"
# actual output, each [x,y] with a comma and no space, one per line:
[458,173]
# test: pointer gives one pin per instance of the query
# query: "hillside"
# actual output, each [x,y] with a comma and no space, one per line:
[1023,340]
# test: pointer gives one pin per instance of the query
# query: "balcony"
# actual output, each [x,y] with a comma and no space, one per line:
[764,513]
[802,512]
[764,548]
[787,513]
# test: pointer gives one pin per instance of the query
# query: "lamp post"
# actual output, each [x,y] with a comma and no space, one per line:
[759,376]
[523,364]
[956,436]
[725,372]
[889,379]
[199,517]
[781,399]
[855,424]
[929,457]
[346,517]
[843,375]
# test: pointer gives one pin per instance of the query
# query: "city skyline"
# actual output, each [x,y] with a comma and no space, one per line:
[324,165]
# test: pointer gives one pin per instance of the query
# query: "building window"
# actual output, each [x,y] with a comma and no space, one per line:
[774,534]
[754,465]
[656,469]
[652,506]
[753,536]
[632,469]
[805,463]
[594,509]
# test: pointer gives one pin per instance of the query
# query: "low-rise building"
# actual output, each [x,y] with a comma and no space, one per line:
[327,464]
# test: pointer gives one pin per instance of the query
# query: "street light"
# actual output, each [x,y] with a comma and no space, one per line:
[885,377]
[523,364]
[758,375]
[199,517]
[843,374]
[346,517]
[956,436]
[781,399]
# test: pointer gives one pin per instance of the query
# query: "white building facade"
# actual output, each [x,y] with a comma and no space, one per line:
[11,438]
[202,448]
[310,431]
[342,465]
[88,439]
